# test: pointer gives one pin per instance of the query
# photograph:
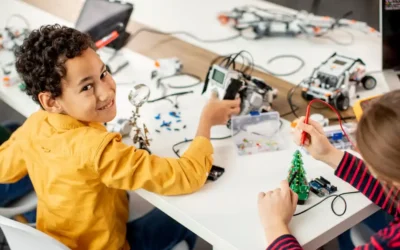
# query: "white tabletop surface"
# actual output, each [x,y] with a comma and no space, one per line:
[200,19]
[224,212]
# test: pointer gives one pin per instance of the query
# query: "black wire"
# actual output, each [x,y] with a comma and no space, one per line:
[176,151]
[231,60]
[302,63]
[290,112]
[332,204]
[166,96]
[351,42]
[252,65]
[342,118]
[183,33]
[321,106]
[159,81]
[290,101]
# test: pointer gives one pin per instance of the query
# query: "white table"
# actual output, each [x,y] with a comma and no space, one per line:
[200,19]
[224,213]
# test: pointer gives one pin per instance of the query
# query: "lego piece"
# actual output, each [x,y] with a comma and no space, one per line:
[174,114]
[337,136]
[157,117]
[165,124]
[254,113]
[184,126]
[178,120]
[176,129]
[22,86]
[168,128]
[158,131]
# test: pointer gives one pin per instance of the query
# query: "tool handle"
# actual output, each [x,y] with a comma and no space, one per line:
[304,134]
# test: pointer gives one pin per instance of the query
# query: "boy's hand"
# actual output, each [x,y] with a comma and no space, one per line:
[316,143]
[276,209]
[218,112]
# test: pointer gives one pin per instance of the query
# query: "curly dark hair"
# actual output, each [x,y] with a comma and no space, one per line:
[41,58]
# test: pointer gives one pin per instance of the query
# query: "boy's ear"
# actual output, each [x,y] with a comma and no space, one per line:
[49,103]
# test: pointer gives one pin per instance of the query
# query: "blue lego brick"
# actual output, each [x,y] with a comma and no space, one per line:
[254,113]
[337,136]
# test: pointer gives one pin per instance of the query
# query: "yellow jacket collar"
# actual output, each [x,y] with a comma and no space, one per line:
[66,122]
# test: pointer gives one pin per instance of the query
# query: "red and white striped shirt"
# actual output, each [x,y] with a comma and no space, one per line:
[353,170]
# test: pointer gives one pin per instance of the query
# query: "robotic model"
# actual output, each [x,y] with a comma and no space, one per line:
[269,22]
[335,80]
[255,94]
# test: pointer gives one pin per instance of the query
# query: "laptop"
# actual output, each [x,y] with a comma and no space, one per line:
[390,30]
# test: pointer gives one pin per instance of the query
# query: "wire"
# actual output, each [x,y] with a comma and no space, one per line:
[159,81]
[252,65]
[332,204]
[351,42]
[337,113]
[176,151]
[289,100]
[343,118]
[290,112]
[184,33]
[348,138]
[21,18]
[302,63]
[166,96]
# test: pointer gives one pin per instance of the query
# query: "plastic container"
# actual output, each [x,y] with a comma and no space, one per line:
[256,133]
[338,139]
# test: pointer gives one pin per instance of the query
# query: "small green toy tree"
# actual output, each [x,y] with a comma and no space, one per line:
[299,184]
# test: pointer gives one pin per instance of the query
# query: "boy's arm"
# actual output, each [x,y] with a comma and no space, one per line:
[353,170]
[12,164]
[125,167]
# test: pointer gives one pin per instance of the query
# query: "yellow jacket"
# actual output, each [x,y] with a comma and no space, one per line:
[80,173]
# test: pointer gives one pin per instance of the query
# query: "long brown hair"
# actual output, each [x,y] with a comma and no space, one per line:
[378,141]
[378,137]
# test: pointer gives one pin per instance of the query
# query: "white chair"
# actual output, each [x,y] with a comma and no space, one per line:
[21,236]
[21,206]
[15,231]
[361,234]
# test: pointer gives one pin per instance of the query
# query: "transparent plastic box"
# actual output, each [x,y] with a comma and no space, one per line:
[257,132]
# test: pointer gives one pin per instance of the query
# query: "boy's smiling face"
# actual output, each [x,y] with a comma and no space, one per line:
[88,90]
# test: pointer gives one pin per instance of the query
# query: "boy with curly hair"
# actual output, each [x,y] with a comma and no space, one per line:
[79,170]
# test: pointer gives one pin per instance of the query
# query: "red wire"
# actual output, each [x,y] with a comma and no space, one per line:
[303,135]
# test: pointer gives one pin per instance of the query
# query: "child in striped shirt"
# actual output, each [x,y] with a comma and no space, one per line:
[377,176]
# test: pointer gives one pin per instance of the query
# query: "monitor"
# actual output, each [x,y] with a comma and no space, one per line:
[100,18]
[390,25]
[362,10]
[390,34]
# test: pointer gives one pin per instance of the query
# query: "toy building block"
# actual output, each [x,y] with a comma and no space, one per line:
[299,185]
